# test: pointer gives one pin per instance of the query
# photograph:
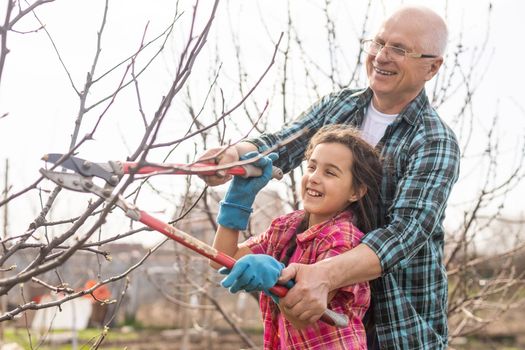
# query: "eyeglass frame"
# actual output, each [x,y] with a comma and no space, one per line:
[382,46]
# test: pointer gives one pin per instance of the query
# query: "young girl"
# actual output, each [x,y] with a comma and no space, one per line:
[340,195]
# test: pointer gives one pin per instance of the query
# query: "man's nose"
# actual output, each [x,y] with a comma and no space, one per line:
[382,55]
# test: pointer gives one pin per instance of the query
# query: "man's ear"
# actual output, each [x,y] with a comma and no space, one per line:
[358,194]
[433,68]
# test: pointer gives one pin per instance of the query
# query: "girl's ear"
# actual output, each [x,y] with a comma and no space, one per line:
[358,194]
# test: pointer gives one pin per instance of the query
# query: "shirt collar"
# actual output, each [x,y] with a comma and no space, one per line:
[411,113]
[413,110]
[363,98]
[314,231]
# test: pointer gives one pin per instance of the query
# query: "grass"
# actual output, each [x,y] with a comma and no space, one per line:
[118,339]
[86,338]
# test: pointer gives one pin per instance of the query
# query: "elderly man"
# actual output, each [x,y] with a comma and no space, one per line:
[403,259]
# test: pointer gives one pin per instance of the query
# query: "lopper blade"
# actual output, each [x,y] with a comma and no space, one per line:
[84,167]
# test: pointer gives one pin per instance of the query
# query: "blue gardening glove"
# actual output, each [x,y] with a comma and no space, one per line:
[236,207]
[252,272]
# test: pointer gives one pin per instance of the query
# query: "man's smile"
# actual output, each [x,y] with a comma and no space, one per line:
[383,72]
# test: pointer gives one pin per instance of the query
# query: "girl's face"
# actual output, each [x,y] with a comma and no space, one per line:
[327,185]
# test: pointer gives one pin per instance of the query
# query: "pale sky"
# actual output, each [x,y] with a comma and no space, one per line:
[42,106]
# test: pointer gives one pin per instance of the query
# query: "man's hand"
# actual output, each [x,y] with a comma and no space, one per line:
[224,155]
[307,300]
[220,155]
[252,272]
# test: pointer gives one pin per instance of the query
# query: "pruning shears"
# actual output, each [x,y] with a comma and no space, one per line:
[113,171]
[84,172]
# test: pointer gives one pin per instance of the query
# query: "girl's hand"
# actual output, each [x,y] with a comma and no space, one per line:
[252,272]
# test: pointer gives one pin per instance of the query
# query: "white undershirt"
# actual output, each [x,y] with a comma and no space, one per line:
[375,124]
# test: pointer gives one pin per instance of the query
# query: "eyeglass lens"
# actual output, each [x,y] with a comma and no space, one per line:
[392,52]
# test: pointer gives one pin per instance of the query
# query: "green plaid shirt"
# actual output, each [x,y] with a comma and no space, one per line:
[420,164]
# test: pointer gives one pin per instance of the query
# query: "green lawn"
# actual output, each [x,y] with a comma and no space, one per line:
[86,338]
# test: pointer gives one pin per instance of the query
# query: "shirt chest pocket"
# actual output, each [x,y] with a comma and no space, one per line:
[304,253]
[395,162]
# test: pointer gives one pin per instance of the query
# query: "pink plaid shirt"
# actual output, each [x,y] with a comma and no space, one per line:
[319,242]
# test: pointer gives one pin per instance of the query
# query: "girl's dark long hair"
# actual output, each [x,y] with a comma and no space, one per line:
[366,171]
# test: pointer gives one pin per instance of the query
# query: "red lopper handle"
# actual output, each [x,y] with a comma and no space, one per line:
[247,170]
[330,317]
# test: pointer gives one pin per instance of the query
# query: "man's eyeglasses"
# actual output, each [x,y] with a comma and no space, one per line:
[394,53]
